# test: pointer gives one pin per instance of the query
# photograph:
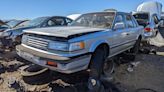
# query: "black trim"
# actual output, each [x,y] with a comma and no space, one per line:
[81,34]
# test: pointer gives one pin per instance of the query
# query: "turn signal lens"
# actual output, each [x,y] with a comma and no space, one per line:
[51,63]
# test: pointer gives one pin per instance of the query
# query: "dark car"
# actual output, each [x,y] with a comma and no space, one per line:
[15,23]
[3,26]
[13,37]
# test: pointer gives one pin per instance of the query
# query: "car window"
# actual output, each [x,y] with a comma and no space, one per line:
[56,22]
[23,24]
[129,21]
[68,21]
[98,20]
[51,23]
[120,20]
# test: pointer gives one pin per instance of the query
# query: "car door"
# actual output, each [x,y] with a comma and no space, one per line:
[119,35]
[132,30]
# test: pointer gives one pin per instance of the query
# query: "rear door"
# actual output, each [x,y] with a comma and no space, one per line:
[119,35]
[132,29]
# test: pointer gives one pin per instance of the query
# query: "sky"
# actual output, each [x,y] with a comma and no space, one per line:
[29,9]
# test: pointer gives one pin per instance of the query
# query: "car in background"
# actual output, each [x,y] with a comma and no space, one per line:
[10,38]
[16,23]
[74,16]
[3,26]
[162,20]
[148,14]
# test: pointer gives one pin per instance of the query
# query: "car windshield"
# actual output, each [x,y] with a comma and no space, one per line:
[99,20]
[13,23]
[37,21]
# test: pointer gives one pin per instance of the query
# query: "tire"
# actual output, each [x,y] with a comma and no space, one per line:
[136,47]
[97,62]
[96,69]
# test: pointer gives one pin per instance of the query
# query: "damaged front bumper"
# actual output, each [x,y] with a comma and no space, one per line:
[64,64]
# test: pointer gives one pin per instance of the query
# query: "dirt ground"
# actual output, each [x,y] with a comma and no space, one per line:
[148,73]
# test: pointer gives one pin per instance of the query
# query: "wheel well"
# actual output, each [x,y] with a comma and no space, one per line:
[104,45]
[101,46]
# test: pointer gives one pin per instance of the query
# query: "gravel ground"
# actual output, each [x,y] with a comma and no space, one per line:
[149,73]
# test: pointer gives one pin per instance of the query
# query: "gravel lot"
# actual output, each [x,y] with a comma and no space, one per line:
[149,73]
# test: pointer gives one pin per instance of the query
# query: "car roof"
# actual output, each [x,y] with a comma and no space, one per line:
[112,11]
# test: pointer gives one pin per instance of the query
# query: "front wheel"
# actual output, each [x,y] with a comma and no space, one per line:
[96,69]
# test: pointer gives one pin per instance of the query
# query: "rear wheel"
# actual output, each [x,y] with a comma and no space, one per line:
[136,47]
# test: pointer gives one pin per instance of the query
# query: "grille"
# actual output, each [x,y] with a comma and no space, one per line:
[37,42]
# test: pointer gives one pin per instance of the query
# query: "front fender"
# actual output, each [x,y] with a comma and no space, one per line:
[96,44]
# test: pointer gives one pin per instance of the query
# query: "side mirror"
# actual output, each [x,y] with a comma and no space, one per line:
[119,25]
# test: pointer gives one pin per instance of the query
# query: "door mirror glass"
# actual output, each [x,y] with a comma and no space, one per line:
[119,25]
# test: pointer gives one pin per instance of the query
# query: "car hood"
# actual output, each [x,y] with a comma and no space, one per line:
[63,31]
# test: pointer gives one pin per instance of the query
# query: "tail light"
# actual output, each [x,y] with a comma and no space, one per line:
[147,29]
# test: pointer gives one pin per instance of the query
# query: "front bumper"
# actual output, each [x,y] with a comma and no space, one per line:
[64,64]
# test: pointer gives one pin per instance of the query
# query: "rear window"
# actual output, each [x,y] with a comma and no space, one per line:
[141,16]
[142,19]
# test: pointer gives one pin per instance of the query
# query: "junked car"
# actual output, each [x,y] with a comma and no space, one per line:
[148,14]
[3,26]
[85,44]
[13,36]
[16,23]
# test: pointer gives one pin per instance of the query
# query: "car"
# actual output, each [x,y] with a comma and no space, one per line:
[83,45]
[162,20]
[3,26]
[12,37]
[15,23]
[148,15]
[150,23]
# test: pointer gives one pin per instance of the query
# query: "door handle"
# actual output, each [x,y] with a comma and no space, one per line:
[125,34]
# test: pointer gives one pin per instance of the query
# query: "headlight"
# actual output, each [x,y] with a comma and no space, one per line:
[58,46]
[66,46]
